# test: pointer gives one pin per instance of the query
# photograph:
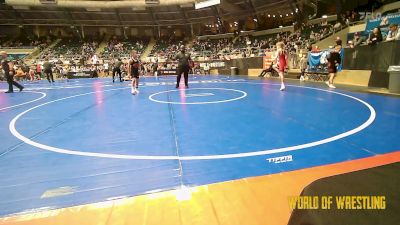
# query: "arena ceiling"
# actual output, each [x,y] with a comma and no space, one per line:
[32,12]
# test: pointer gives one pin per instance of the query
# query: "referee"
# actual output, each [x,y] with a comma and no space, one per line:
[8,68]
[183,66]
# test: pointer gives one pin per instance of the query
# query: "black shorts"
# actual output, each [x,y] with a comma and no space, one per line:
[332,68]
[135,74]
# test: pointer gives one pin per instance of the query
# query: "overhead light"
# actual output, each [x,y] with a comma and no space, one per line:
[138,8]
[269,15]
[273,16]
[152,2]
[93,9]
[255,20]
[21,7]
[281,15]
[206,3]
[292,13]
[287,14]
[324,16]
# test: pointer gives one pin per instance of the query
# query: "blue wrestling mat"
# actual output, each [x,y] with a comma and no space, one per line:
[90,140]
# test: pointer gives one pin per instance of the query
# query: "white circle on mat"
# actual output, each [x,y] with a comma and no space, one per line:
[34,100]
[29,141]
[243,95]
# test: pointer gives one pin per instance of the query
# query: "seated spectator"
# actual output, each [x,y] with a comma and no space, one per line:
[337,26]
[20,74]
[358,39]
[394,33]
[384,21]
[354,16]
[270,69]
[375,36]
[350,44]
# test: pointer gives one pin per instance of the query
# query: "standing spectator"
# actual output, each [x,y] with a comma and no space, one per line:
[375,36]
[31,74]
[303,65]
[94,59]
[48,70]
[338,41]
[106,68]
[39,70]
[206,69]
[8,69]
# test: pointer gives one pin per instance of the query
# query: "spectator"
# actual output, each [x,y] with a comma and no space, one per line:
[384,22]
[48,70]
[338,41]
[394,33]
[20,74]
[375,36]
[354,16]
[350,44]
[358,39]
[303,66]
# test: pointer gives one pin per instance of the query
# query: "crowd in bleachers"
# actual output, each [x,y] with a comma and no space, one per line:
[167,47]
[381,33]
[21,42]
[70,50]
[212,48]
[80,52]
[121,47]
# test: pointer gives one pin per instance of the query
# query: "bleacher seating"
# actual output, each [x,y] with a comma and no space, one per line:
[123,48]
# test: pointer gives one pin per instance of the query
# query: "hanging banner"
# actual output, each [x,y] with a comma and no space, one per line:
[267,60]
[383,23]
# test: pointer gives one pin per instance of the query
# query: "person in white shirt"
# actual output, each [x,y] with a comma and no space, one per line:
[394,33]
[206,69]
[94,59]
[106,69]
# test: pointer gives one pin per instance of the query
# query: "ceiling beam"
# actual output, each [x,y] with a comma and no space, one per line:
[153,17]
[18,17]
[68,16]
[118,17]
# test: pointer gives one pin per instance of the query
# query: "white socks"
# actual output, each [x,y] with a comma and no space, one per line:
[282,87]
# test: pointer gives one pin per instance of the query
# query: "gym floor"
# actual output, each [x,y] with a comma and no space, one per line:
[228,150]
